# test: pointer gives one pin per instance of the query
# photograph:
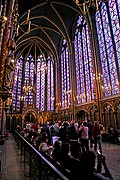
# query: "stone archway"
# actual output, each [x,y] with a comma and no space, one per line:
[82,115]
[117,114]
[30,116]
[108,115]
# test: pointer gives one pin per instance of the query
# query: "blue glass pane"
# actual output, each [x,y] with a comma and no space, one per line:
[84,65]
[107,39]
[65,73]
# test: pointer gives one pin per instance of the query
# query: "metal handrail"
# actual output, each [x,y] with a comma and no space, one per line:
[51,166]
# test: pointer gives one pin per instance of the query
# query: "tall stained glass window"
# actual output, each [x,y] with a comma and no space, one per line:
[108,30]
[40,83]
[50,85]
[45,84]
[25,83]
[29,78]
[17,86]
[84,64]
[65,73]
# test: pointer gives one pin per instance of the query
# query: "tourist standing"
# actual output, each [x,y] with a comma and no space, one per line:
[97,128]
[84,137]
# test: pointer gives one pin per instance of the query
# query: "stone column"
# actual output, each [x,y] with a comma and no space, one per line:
[6,35]
[3,19]
[22,120]
[3,118]
[10,123]
[5,95]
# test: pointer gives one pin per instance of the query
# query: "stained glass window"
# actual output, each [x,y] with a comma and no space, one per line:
[17,84]
[108,30]
[40,83]
[45,84]
[29,78]
[65,73]
[84,64]
[50,86]
[42,74]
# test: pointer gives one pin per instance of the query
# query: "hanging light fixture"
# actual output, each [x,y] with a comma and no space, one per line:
[3,18]
[87,4]
[43,67]
[52,98]
[22,98]
[20,26]
[28,87]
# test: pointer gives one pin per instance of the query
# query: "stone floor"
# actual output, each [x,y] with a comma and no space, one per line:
[112,154]
[12,167]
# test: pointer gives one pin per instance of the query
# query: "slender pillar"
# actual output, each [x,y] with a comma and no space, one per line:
[10,123]
[6,35]
[5,108]
[3,7]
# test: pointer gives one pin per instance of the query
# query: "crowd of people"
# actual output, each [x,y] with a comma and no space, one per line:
[111,135]
[76,146]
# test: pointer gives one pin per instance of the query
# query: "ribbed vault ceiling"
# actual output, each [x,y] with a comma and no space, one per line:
[50,21]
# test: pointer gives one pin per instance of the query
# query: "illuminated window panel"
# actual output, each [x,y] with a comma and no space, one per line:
[48,88]
[52,87]
[32,72]
[57,85]
[29,78]
[63,88]
[38,85]
[42,87]
[108,30]
[91,67]
[31,81]
[65,72]
[115,23]
[84,65]
[77,55]
[43,100]
[41,83]
[17,84]
[26,73]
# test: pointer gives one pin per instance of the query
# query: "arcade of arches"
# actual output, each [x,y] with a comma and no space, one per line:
[59,62]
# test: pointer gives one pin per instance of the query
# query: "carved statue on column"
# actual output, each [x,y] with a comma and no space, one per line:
[9,72]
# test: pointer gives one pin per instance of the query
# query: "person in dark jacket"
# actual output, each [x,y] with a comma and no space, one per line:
[88,171]
[56,151]
[97,128]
